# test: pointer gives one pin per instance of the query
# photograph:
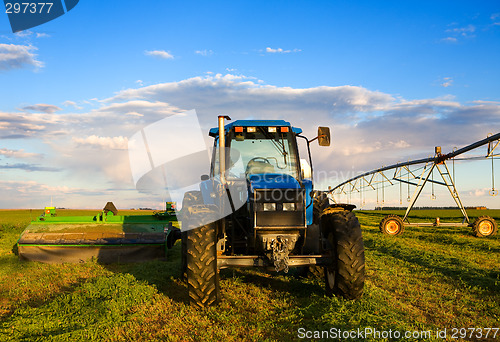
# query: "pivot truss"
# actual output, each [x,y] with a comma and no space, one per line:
[413,173]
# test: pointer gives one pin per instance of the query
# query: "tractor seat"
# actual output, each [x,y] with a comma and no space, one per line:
[258,167]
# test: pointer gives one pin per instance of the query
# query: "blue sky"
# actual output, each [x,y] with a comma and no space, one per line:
[393,79]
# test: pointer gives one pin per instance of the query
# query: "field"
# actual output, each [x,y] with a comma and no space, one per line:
[427,280]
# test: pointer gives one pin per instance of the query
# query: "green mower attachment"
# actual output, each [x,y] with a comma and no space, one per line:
[106,237]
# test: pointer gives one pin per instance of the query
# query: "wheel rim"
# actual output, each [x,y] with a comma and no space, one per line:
[392,227]
[485,227]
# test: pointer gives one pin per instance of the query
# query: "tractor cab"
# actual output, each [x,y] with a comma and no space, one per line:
[262,157]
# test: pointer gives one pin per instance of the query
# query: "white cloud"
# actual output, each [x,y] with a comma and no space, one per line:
[42,107]
[456,33]
[18,56]
[450,40]
[24,34]
[160,54]
[17,153]
[486,102]
[152,109]
[113,143]
[463,31]
[73,104]
[204,52]
[280,50]
[479,192]
[134,114]
[235,93]
[447,82]
[22,125]
[42,35]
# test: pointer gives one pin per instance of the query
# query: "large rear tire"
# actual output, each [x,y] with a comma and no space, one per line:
[344,243]
[484,226]
[202,273]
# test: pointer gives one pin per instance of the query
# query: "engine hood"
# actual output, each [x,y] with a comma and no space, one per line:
[272,181]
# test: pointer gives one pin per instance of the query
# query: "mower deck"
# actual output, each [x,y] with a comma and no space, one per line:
[105,238]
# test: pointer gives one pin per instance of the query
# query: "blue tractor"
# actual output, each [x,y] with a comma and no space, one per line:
[257,208]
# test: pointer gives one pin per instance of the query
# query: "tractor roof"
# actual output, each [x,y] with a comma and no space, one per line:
[254,123]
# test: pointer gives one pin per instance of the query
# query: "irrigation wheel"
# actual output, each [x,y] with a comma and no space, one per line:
[392,225]
[484,226]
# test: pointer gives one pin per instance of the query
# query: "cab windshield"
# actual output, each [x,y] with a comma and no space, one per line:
[262,152]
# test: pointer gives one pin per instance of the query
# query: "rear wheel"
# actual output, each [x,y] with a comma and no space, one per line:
[484,226]
[392,225]
[344,243]
[202,273]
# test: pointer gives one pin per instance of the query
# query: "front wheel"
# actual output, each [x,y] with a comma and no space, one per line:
[201,256]
[344,243]
[190,198]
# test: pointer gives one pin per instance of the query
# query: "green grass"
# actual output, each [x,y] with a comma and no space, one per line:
[427,279]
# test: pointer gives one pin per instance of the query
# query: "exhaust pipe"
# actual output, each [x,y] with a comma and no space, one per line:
[222,148]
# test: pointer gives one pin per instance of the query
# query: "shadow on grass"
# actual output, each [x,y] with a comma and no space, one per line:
[477,244]
[290,283]
[446,265]
[37,302]
[165,275]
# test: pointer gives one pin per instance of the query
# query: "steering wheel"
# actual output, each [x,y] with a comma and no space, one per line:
[256,159]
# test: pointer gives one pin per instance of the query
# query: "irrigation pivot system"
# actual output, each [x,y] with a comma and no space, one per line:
[406,173]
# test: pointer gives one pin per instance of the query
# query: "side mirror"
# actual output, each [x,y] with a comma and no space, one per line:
[324,136]
[204,177]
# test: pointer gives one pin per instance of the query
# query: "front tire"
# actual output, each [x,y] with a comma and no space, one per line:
[190,198]
[344,243]
[201,256]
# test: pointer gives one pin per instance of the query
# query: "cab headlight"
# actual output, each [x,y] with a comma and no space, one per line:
[289,207]
[269,206]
